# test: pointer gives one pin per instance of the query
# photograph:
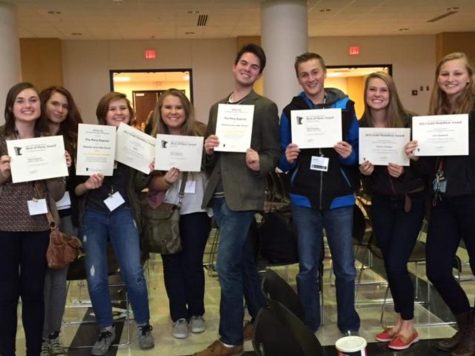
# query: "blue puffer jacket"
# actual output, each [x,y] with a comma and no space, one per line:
[322,190]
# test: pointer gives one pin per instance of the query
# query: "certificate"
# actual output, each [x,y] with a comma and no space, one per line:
[96,149]
[441,135]
[317,128]
[134,148]
[382,146]
[37,158]
[234,127]
[182,152]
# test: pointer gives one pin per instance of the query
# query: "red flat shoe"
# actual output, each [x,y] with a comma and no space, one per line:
[402,343]
[385,336]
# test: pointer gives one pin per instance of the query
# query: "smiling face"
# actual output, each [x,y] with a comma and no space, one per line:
[247,69]
[377,94]
[57,108]
[172,113]
[311,77]
[118,112]
[26,107]
[453,78]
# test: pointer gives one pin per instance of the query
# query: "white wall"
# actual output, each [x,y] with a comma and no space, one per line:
[87,64]
[412,57]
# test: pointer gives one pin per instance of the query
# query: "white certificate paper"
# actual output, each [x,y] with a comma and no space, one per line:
[317,128]
[182,152]
[441,135]
[134,148]
[96,150]
[37,158]
[382,146]
[234,127]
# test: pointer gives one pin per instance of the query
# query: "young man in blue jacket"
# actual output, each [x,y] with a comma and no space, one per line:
[322,194]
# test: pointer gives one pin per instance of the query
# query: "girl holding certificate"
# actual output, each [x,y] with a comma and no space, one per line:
[397,195]
[453,203]
[24,228]
[63,118]
[109,211]
[183,271]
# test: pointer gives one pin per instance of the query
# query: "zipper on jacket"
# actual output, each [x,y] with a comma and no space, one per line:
[321,182]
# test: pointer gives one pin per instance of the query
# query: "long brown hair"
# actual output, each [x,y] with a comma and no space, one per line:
[190,127]
[395,111]
[464,103]
[69,127]
[10,127]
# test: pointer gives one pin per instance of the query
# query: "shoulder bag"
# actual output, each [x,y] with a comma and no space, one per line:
[161,225]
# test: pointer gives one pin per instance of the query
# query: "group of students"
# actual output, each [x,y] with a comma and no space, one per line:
[232,186]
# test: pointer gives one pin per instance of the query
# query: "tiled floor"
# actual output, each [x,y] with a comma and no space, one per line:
[368,306]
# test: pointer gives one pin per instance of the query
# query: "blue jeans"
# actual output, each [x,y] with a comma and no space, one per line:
[183,271]
[338,224]
[119,227]
[237,271]
[396,233]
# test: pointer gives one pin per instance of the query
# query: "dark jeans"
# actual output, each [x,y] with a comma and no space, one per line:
[396,232]
[183,271]
[23,266]
[451,220]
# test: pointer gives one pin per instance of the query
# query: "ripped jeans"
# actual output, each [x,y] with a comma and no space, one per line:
[119,227]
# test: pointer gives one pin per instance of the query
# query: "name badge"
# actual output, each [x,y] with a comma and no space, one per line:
[190,187]
[319,163]
[37,206]
[114,201]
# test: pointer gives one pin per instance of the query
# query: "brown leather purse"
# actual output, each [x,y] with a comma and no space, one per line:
[63,248]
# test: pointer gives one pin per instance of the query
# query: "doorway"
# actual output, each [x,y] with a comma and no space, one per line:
[143,87]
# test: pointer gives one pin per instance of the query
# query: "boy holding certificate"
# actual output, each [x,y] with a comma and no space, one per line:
[235,191]
[322,192]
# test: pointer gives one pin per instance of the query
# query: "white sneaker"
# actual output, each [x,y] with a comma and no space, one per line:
[180,329]
[197,324]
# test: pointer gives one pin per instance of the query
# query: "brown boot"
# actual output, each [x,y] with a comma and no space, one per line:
[463,322]
[466,346]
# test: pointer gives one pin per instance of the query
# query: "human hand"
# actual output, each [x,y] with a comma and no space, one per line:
[366,168]
[210,144]
[253,160]
[343,148]
[410,150]
[292,152]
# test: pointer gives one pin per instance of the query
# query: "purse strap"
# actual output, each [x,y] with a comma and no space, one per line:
[181,193]
[40,191]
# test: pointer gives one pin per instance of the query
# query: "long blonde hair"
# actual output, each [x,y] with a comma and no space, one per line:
[395,111]
[190,127]
[439,103]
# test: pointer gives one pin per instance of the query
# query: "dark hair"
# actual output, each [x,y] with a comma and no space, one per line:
[103,106]
[395,112]
[10,127]
[69,127]
[439,104]
[188,127]
[254,49]
[304,57]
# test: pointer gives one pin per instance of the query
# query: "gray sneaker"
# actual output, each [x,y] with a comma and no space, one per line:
[144,333]
[56,346]
[45,349]
[104,342]
[197,324]
[180,329]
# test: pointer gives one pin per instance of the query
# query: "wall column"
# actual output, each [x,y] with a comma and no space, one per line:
[284,33]
[10,72]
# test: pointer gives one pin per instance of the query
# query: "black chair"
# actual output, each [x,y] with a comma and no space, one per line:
[276,288]
[272,337]
[307,341]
